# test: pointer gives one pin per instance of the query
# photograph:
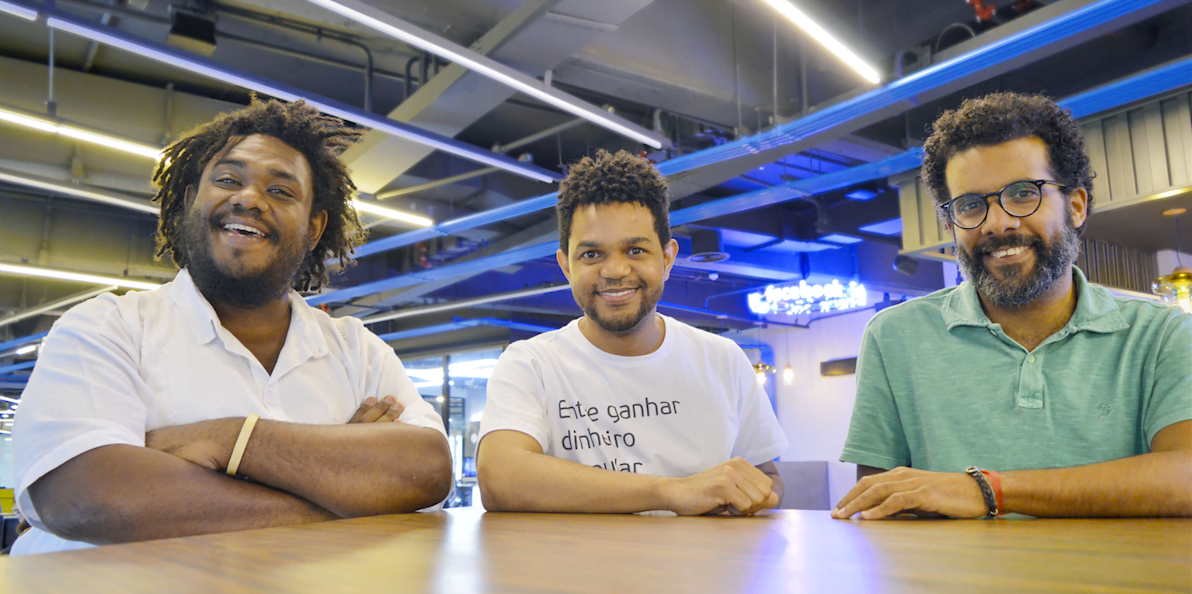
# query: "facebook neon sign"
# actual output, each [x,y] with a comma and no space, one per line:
[804,298]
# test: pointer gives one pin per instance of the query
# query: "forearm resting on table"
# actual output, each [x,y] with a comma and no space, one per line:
[515,476]
[352,470]
[124,493]
[1154,484]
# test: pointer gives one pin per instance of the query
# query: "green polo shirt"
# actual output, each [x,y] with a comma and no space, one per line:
[940,387]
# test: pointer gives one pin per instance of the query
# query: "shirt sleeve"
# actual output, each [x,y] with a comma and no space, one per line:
[516,397]
[875,434]
[1171,394]
[759,437]
[388,377]
[84,393]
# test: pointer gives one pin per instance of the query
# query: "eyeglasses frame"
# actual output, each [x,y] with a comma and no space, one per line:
[1039,183]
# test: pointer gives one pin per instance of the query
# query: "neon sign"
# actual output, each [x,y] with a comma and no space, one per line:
[804,298]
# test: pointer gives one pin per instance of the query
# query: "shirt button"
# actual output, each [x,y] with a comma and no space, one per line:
[1031,358]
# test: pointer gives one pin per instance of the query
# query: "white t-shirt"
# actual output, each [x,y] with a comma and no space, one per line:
[688,406]
[114,368]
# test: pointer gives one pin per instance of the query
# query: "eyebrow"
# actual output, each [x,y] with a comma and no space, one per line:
[241,164]
[627,242]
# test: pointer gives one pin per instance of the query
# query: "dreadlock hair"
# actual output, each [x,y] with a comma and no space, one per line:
[607,178]
[1001,117]
[320,138]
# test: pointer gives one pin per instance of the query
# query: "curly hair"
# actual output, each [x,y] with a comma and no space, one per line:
[607,178]
[320,138]
[1001,117]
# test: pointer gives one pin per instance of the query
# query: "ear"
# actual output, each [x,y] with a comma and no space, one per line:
[1079,200]
[669,253]
[189,196]
[564,263]
[318,223]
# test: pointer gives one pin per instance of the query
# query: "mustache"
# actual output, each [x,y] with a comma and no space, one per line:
[1002,242]
[218,219]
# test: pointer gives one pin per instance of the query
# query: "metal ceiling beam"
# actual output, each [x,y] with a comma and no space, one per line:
[204,66]
[392,26]
[1148,83]
[460,324]
[1030,37]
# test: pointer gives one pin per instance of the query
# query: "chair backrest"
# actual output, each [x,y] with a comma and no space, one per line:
[805,484]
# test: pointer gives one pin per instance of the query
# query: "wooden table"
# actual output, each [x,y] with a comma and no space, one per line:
[466,550]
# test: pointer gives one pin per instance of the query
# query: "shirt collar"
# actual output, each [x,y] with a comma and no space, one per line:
[1096,310]
[303,341]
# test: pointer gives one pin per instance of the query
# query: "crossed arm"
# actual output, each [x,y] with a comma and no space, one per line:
[177,486]
[1155,484]
[515,475]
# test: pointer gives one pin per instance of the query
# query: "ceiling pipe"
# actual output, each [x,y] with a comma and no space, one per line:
[463,303]
[29,313]
[896,97]
[206,67]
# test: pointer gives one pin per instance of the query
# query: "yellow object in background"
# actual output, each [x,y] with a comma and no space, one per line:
[6,500]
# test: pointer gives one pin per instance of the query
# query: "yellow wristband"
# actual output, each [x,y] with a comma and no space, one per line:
[241,444]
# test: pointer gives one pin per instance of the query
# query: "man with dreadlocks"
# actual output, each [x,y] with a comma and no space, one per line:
[142,414]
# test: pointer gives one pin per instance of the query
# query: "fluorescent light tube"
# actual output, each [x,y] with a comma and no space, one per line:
[77,191]
[18,10]
[396,215]
[826,39]
[211,69]
[76,276]
[403,31]
[53,127]
[25,350]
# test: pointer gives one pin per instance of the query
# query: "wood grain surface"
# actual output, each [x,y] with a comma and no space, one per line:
[466,550]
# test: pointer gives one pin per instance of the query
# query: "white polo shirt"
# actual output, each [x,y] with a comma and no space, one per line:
[114,368]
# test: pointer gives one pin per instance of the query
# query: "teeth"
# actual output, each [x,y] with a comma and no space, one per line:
[617,293]
[245,228]
[1009,252]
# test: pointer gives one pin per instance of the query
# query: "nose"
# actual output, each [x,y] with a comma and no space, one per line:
[615,267]
[998,221]
[250,197]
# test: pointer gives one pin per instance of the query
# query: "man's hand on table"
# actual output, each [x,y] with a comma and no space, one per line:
[736,487]
[909,490]
[385,410]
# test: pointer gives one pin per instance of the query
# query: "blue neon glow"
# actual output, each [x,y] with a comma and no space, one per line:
[804,298]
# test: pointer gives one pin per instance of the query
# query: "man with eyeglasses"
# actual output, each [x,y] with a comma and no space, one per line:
[1026,389]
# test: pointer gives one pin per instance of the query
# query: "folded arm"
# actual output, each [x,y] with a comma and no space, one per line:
[1155,484]
[124,493]
[515,475]
[357,469]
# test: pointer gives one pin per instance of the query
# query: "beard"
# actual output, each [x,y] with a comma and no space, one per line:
[239,288]
[624,323]
[1020,286]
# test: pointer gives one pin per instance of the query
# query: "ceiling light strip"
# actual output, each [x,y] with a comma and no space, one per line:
[13,116]
[427,41]
[452,305]
[18,10]
[68,275]
[206,67]
[381,211]
[29,313]
[78,191]
[826,39]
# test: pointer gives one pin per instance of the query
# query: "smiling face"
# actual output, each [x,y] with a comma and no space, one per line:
[616,264]
[248,224]
[1013,261]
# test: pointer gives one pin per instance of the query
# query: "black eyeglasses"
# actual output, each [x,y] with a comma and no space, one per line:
[1019,199]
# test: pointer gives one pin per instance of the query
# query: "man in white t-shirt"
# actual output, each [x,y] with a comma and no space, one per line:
[625,410]
[141,406]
